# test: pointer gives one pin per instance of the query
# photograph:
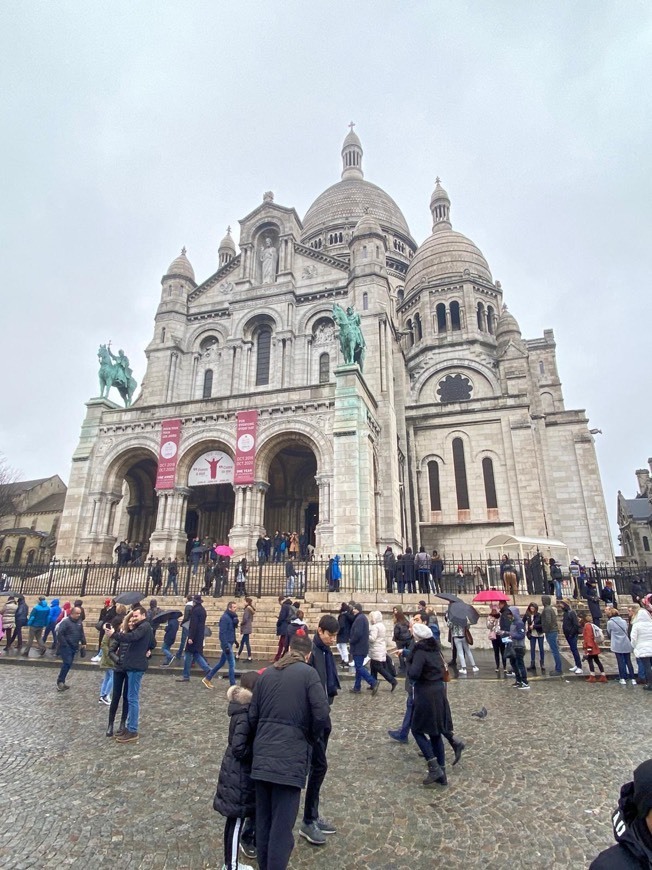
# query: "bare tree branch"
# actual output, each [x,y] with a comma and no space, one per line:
[8,490]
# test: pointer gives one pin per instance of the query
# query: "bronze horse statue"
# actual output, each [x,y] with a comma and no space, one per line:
[115,372]
[352,343]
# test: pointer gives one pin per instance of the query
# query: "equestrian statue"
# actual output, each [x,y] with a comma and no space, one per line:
[115,372]
[352,343]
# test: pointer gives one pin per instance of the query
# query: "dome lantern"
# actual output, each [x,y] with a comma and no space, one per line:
[226,250]
[352,155]
[440,207]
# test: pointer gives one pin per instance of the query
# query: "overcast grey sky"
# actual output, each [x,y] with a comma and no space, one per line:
[131,129]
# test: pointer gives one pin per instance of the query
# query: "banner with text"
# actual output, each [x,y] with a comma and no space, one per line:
[245,446]
[212,467]
[168,453]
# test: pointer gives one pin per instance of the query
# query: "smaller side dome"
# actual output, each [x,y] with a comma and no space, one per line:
[367,226]
[181,267]
[226,250]
[507,327]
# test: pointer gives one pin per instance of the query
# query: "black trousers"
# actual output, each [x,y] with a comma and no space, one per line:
[234,831]
[276,812]
[119,688]
[381,668]
[318,769]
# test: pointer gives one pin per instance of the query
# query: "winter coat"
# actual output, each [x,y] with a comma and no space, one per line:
[533,624]
[608,595]
[55,610]
[288,712]
[517,631]
[171,630]
[322,661]
[70,634]
[401,634]
[548,616]
[247,620]
[235,796]
[493,624]
[336,571]
[570,623]
[344,621]
[633,850]
[196,628]
[617,631]
[228,624]
[40,615]
[283,620]
[389,561]
[437,568]
[377,642]
[134,645]
[641,635]
[359,638]
[589,643]
[425,668]
[9,614]
[21,614]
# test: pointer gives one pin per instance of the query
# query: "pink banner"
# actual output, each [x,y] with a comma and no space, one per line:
[168,454]
[245,446]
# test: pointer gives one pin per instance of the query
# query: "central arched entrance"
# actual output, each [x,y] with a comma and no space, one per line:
[292,502]
[210,513]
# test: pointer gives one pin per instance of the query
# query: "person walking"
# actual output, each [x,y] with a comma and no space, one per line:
[194,653]
[493,625]
[591,648]
[359,643]
[378,649]
[517,638]
[344,619]
[173,573]
[401,634]
[460,639]
[289,708]
[235,795]
[641,637]
[9,621]
[171,630]
[50,628]
[185,622]
[246,628]
[282,623]
[551,631]
[571,628]
[21,620]
[534,631]
[37,622]
[228,624]
[314,828]
[621,645]
[136,644]
[70,639]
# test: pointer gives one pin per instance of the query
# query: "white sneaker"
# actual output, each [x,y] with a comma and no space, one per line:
[623,682]
[462,671]
[97,657]
[475,669]
[634,683]
[579,671]
[240,866]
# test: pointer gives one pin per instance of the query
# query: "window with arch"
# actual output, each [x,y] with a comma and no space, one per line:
[489,483]
[542,368]
[263,351]
[482,323]
[440,311]
[400,294]
[6,556]
[433,485]
[31,556]
[324,368]
[459,467]
[417,327]
[646,543]
[456,322]
[163,334]
[410,328]
[365,301]
[207,390]
[491,320]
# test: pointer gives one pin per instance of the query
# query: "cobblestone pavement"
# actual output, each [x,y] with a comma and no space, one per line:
[534,788]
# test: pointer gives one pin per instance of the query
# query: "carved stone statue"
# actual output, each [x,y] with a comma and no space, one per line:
[269,258]
[352,343]
[115,371]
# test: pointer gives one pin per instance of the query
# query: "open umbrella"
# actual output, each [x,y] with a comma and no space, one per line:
[130,598]
[224,550]
[164,615]
[491,595]
[448,597]
[460,612]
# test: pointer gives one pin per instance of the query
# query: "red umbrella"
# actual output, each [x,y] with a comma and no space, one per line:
[491,595]
[224,550]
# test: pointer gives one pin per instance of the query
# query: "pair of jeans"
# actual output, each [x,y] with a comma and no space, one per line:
[647,665]
[172,581]
[431,746]
[107,683]
[534,641]
[318,769]
[192,657]
[462,647]
[182,644]
[49,630]
[572,643]
[518,660]
[167,652]
[423,580]
[406,725]
[551,637]
[558,590]
[276,812]
[227,656]
[67,655]
[245,642]
[361,673]
[625,669]
[134,679]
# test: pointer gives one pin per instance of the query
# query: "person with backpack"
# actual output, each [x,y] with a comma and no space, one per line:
[517,637]
[591,639]
[621,645]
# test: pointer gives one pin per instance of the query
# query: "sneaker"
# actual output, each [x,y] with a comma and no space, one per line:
[312,833]
[105,700]
[573,669]
[182,680]
[355,691]
[510,674]
[127,737]
[97,657]
[517,685]
[167,664]
[207,683]
[579,671]
[525,686]
[248,850]
[326,827]
[61,687]
[634,683]
[475,669]
[462,671]
[240,866]
[396,735]
[623,682]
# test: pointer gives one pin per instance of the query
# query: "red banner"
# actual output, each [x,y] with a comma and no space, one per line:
[245,446]
[168,453]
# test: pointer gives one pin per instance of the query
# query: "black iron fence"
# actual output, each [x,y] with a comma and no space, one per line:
[358,574]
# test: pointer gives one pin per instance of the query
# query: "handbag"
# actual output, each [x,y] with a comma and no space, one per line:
[446,678]
[99,625]
[468,636]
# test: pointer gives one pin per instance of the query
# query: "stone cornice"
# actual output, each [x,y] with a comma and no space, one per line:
[320,257]
[221,273]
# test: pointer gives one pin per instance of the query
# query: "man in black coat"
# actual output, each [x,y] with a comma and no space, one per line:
[314,828]
[282,623]
[632,824]
[289,711]
[195,642]
[359,645]
[70,638]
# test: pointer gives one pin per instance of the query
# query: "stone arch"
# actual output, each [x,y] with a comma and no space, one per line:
[130,507]
[454,366]
[279,436]
[306,323]
[196,336]
[209,508]
[198,443]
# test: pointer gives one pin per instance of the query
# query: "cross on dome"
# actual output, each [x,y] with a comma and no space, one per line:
[183,251]
[351,125]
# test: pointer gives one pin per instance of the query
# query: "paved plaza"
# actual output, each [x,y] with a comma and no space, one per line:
[534,789]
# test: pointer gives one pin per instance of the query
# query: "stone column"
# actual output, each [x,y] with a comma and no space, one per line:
[169,537]
[243,533]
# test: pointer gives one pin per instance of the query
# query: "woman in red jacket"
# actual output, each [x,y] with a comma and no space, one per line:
[591,649]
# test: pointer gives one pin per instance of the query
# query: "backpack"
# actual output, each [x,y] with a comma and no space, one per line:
[598,634]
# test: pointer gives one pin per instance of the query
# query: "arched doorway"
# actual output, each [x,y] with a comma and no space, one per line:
[140,503]
[292,502]
[211,499]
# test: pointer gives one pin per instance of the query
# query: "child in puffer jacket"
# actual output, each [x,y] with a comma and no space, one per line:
[517,637]
[235,796]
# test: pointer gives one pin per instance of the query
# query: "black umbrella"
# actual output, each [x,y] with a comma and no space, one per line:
[164,615]
[461,612]
[130,598]
[448,597]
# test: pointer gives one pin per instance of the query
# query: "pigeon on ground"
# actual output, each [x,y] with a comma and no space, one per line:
[480,714]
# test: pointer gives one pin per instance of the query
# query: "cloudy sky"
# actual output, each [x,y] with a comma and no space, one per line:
[131,129]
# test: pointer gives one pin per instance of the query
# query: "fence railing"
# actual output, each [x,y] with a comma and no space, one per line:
[359,574]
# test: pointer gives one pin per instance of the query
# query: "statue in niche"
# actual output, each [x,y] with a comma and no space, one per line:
[268,256]
[309,271]
[324,334]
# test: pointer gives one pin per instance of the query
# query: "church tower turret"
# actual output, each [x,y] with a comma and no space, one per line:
[352,155]
[226,250]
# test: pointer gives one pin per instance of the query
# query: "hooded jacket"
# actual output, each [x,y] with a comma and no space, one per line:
[548,616]
[55,610]
[344,621]
[570,623]
[633,849]
[359,638]
[9,614]
[641,635]
[617,631]
[40,615]
[377,642]
[517,629]
[235,796]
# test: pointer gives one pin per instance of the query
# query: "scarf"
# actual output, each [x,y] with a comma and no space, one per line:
[332,681]
[290,658]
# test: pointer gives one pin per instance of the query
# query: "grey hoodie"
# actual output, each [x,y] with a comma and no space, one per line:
[548,616]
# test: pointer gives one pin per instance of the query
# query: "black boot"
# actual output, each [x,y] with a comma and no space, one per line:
[458,746]
[123,727]
[109,730]
[436,774]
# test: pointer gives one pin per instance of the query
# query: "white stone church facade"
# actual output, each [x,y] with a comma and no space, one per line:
[454,431]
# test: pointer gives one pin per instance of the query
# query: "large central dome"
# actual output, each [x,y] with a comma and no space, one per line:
[351,198]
